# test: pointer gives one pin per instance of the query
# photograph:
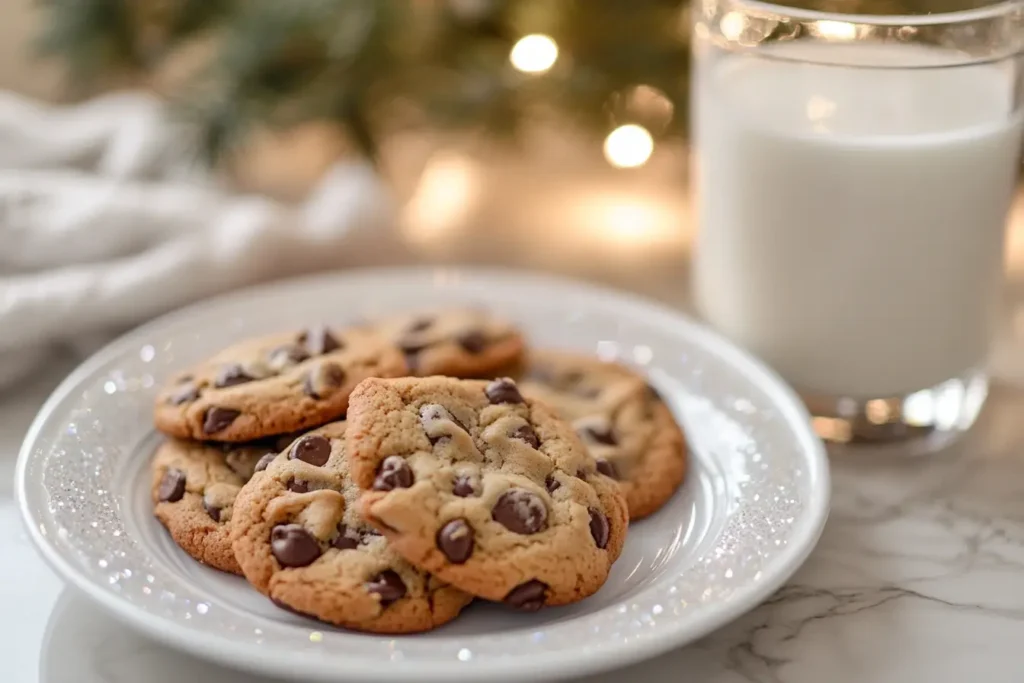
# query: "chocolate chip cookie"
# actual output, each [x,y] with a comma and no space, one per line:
[623,422]
[458,342]
[274,385]
[300,540]
[194,489]
[489,491]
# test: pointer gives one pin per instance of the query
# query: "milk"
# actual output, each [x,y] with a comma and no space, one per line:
[852,220]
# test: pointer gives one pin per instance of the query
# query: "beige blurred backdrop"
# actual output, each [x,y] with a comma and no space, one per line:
[19,71]
[631,229]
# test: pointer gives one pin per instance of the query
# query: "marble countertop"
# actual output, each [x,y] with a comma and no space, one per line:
[918,577]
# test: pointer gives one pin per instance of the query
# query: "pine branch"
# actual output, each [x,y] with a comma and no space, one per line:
[98,37]
[92,36]
[373,66]
[286,63]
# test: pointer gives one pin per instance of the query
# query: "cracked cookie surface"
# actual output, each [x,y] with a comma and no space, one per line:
[272,385]
[489,491]
[194,486]
[300,540]
[623,422]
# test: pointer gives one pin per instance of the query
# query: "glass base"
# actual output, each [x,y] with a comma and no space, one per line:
[919,423]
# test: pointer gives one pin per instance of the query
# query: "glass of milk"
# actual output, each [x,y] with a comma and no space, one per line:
[854,174]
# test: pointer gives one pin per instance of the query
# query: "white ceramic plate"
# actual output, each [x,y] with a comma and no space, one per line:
[749,513]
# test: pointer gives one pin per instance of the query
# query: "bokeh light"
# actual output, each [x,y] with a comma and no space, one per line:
[534,54]
[628,146]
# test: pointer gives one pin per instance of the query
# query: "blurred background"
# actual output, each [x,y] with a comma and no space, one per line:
[153,152]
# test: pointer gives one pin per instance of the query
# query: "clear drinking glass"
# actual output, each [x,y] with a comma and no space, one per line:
[853,178]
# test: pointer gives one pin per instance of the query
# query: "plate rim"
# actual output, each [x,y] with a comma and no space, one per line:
[550,664]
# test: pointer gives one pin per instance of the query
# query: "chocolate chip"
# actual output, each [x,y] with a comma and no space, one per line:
[286,356]
[599,527]
[345,543]
[184,378]
[581,474]
[419,324]
[322,379]
[218,418]
[172,486]
[293,546]
[520,511]
[186,393]
[265,461]
[542,374]
[587,392]
[528,596]
[463,486]
[318,340]
[313,448]
[212,510]
[599,434]
[551,483]
[411,348]
[412,345]
[455,540]
[387,586]
[298,486]
[607,468]
[347,539]
[472,341]
[652,393]
[572,382]
[503,391]
[394,474]
[412,363]
[526,434]
[433,413]
[232,375]
[572,377]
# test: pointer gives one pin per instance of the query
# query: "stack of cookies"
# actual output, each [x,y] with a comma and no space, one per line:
[468,467]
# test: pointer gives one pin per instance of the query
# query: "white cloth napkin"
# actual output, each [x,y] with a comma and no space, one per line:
[104,222]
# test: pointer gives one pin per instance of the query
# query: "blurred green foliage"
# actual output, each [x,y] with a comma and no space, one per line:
[377,65]
[374,66]
[98,37]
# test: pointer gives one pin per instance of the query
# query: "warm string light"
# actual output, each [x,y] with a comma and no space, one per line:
[628,146]
[534,54]
[732,26]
